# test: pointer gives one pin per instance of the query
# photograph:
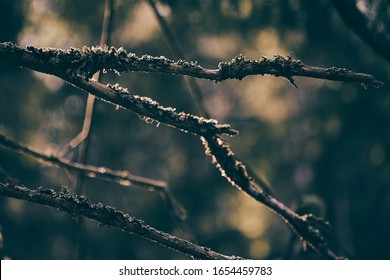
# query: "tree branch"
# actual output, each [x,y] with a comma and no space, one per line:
[88,61]
[78,70]
[77,206]
[152,111]
[307,227]
[121,177]
[61,65]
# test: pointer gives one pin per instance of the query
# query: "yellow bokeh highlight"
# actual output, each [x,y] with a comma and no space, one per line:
[377,155]
[269,98]
[141,26]
[259,249]
[249,217]
[16,207]
[221,47]
[333,126]
[243,8]
[266,97]
[268,43]
[47,29]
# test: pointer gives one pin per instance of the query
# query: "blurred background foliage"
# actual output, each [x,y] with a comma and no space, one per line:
[324,148]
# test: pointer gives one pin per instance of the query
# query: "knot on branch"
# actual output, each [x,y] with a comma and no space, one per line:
[286,67]
[286,64]
[240,67]
[235,68]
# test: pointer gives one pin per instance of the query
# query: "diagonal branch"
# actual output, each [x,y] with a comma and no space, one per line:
[77,206]
[307,227]
[151,110]
[121,177]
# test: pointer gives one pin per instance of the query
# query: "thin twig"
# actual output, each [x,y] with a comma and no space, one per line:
[86,129]
[77,206]
[120,177]
[105,39]
[178,53]
[88,122]
[88,170]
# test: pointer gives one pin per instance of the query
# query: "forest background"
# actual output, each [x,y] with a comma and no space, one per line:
[324,147]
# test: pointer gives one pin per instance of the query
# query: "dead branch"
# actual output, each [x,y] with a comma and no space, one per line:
[77,206]
[150,110]
[121,177]
[304,226]
[307,227]
[88,61]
